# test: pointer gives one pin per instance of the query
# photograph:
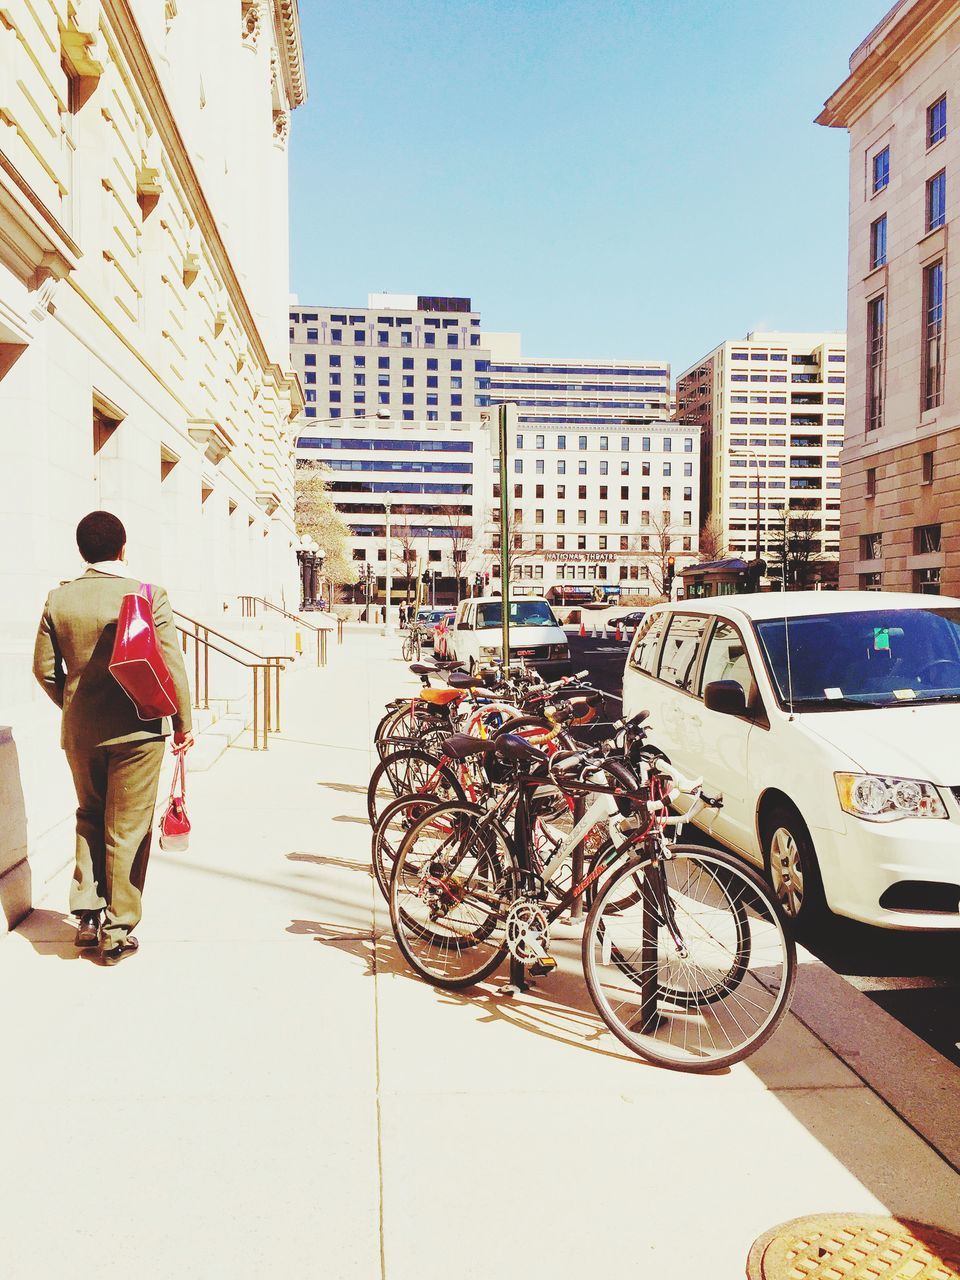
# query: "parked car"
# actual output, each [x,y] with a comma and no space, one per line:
[428,619]
[829,721]
[627,622]
[475,638]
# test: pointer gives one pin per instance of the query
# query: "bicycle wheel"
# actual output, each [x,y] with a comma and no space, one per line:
[410,770]
[710,996]
[452,883]
[406,651]
[388,835]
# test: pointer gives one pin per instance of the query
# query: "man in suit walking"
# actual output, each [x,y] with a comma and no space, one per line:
[114,756]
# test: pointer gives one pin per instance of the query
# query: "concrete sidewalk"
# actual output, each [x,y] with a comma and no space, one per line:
[266,1089]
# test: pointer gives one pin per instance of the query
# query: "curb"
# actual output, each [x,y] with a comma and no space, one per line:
[913,1079]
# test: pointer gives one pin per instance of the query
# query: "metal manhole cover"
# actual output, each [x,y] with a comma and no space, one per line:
[850,1246]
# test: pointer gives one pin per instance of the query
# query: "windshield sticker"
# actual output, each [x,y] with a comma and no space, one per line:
[904,694]
[881,638]
[833,693]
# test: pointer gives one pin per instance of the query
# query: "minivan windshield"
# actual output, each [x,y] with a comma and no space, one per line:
[873,658]
[523,613]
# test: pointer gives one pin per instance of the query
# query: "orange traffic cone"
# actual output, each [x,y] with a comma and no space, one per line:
[583,630]
[619,633]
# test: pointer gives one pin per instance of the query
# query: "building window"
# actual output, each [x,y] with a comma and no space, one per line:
[871,546]
[881,170]
[538,440]
[561,442]
[937,200]
[871,582]
[927,581]
[927,539]
[581,516]
[624,542]
[518,490]
[561,517]
[561,542]
[581,542]
[604,467]
[878,243]
[871,485]
[582,468]
[937,121]
[926,468]
[582,492]
[624,517]
[561,491]
[581,442]
[561,467]
[602,541]
[538,516]
[933,335]
[604,442]
[876,336]
[603,515]
[624,468]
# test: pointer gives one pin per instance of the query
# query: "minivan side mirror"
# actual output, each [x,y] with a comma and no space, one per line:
[725,696]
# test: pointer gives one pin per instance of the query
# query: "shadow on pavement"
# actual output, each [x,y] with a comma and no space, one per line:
[560,1010]
[51,933]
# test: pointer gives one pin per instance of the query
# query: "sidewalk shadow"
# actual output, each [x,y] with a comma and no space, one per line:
[52,933]
[560,1010]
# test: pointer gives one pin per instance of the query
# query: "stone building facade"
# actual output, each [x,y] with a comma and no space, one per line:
[900,510]
[144,365]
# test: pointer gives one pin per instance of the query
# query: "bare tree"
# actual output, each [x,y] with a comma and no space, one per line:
[795,537]
[403,536]
[712,541]
[459,526]
[518,542]
[657,555]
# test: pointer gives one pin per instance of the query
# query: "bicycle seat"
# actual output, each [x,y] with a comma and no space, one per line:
[517,750]
[461,680]
[461,745]
[449,664]
[440,697]
[423,668]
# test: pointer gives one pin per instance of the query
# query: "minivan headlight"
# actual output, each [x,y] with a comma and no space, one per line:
[878,798]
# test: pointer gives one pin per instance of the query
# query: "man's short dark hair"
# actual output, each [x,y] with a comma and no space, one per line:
[101,536]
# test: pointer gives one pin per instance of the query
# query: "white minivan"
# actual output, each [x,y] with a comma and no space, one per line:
[476,637]
[830,721]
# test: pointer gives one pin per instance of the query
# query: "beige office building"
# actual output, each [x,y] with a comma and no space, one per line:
[900,527]
[770,410]
[144,365]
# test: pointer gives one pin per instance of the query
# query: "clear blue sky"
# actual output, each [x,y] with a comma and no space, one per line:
[616,180]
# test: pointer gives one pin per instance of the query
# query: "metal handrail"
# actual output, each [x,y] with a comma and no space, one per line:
[259,688]
[248,605]
[269,661]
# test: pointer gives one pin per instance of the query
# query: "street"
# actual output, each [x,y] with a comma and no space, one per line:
[915,977]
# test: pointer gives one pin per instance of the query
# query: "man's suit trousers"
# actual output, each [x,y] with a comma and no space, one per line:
[116,797]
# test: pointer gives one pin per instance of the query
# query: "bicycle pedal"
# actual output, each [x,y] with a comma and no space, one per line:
[544,966]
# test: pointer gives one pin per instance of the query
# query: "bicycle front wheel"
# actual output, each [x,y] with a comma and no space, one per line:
[689,961]
[410,771]
[407,651]
[453,880]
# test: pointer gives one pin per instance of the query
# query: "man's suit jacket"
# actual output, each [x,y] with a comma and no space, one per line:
[72,655]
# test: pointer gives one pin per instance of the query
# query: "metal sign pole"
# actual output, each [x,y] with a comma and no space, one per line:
[504,534]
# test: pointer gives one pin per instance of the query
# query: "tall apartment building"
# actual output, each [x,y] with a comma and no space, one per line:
[143,358]
[394,394]
[770,412]
[900,527]
[603,486]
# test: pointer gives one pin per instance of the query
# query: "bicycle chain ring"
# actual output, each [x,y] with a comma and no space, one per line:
[528,932]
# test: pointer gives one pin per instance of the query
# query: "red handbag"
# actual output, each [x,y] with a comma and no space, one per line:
[137,663]
[175,825]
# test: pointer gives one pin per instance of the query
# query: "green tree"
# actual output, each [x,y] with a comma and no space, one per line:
[315,513]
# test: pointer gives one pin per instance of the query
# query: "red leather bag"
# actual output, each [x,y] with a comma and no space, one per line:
[175,825]
[137,664]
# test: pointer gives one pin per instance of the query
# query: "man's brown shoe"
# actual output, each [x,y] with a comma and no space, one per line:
[114,954]
[88,930]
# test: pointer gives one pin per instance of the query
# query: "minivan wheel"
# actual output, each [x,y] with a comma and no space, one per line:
[792,868]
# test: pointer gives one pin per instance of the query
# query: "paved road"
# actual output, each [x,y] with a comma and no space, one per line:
[914,977]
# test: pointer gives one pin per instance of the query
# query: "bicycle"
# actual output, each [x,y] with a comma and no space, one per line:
[412,643]
[686,953]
